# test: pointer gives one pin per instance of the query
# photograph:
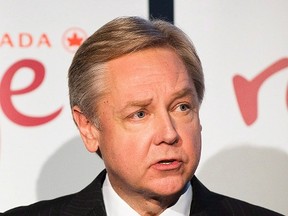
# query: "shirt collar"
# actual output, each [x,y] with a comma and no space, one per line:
[115,205]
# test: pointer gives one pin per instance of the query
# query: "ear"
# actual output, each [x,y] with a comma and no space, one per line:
[88,131]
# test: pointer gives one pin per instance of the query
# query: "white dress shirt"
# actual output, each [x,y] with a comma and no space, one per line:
[116,206]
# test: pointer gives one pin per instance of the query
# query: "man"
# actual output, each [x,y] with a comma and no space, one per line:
[135,90]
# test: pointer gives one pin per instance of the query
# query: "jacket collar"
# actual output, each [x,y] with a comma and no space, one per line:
[89,201]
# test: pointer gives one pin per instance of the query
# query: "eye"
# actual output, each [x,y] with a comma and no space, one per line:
[183,107]
[139,115]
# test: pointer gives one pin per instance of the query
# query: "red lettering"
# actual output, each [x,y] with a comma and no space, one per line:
[6,40]
[25,40]
[6,93]
[247,91]
[44,41]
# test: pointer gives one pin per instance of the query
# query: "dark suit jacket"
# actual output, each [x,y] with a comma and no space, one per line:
[89,202]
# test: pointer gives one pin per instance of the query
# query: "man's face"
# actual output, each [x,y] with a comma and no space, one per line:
[150,136]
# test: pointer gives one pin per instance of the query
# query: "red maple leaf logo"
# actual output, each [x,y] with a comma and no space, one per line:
[75,40]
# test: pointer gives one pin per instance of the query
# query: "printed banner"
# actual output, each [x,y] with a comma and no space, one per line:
[244,51]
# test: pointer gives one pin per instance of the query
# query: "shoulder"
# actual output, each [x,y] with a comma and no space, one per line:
[43,208]
[238,207]
[210,203]
[87,201]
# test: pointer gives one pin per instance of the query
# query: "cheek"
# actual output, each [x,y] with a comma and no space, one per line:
[119,145]
[191,136]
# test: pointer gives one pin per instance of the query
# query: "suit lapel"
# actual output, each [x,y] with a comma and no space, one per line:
[89,201]
[201,199]
[205,202]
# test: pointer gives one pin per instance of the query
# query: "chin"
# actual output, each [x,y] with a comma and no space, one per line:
[169,186]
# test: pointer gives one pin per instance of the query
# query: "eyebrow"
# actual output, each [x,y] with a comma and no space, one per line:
[146,102]
[183,93]
[137,103]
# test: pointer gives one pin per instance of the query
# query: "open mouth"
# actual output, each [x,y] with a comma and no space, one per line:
[166,161]
[166,165]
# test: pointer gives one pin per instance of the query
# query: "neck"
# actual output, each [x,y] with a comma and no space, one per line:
[149,204]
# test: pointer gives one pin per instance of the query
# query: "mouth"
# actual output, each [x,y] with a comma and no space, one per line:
[166,161]
[167,164]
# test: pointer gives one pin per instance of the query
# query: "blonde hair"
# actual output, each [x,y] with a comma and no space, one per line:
[118,37]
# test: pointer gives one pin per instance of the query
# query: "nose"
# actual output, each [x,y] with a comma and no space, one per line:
[166,132]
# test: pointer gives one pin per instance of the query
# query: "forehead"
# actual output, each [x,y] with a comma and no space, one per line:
[147,74]
[146,65]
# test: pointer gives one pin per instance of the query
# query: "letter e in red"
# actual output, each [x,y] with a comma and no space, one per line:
[6,94]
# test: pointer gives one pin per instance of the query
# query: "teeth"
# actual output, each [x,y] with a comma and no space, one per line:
[166,162]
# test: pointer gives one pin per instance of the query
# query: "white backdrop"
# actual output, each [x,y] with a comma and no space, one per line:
[245,153]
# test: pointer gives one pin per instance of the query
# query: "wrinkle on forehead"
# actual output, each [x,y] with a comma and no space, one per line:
[145,75]
[143,68]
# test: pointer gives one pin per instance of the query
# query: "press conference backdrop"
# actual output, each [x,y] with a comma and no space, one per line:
[244,50]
